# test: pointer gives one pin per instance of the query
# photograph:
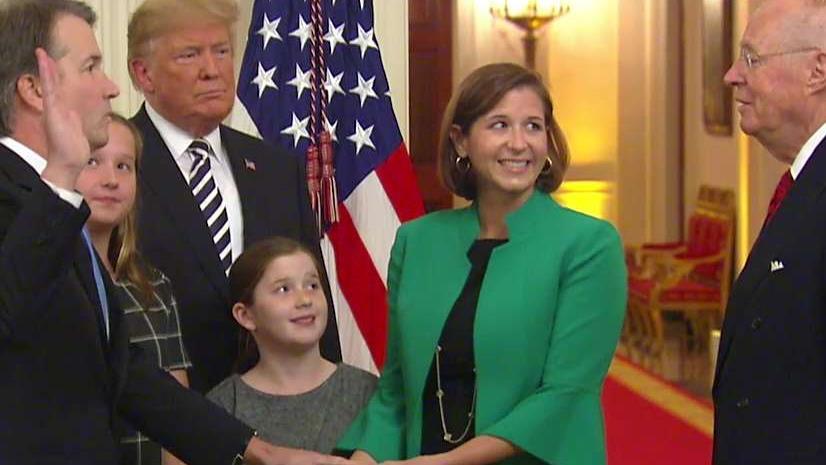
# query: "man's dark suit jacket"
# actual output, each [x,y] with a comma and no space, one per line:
[174,238]
[770,382]
[60,380]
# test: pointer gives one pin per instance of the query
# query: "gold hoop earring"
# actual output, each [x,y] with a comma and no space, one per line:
[462,164]
[546,169]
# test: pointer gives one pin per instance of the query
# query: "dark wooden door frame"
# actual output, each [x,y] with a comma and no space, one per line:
[431,78]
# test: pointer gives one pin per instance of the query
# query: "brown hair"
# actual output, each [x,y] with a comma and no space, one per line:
[478,94]
[26,25]
[154,18]
[123,244]
[245,275]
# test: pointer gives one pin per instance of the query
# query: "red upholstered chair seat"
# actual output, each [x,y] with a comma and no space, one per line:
[663,246]
[690,277]
[686,290]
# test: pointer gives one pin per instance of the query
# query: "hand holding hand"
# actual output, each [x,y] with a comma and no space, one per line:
[69,148]
[420,460]
[263,453]
[362,458]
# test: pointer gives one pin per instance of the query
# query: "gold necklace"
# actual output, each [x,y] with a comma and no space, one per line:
[448,437]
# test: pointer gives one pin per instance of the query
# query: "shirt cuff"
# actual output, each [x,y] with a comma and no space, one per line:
[72,197]
[239,457]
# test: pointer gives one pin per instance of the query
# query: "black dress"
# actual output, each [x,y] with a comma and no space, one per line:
[456,370]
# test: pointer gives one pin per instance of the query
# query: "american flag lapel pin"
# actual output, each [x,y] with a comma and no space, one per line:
[249,164]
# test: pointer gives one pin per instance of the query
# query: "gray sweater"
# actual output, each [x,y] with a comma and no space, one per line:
[314,420]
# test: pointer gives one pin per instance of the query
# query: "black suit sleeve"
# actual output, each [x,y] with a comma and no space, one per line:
[183,421]
[39,234]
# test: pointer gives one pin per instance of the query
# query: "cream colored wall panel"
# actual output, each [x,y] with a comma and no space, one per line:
[393,36]
[113,19]
[649,133]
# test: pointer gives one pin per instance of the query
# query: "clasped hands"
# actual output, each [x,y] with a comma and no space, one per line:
[420,460]
[361,458]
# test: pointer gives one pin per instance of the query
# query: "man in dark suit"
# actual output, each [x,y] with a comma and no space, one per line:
[65,361]
[181,59]
[770,382]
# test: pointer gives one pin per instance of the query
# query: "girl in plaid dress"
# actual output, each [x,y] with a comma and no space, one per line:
[109,186]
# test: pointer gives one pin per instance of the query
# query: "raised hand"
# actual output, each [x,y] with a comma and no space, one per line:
[69,148]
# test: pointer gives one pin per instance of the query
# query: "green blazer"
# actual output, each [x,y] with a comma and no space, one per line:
[547,323]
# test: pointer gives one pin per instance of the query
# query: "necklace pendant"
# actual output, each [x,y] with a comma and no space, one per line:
[448,437]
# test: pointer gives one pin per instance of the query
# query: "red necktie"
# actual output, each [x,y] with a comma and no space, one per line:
[783,188]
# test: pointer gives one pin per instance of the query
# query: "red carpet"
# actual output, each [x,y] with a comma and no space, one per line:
[650,422]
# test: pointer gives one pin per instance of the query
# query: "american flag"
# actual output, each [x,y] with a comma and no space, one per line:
[285,81]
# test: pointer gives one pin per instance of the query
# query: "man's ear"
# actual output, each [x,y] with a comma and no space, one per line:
[459,140]
[817,75]
[141,75]
[243,316]
[30,91]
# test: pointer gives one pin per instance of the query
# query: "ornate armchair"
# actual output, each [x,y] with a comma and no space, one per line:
[691,278]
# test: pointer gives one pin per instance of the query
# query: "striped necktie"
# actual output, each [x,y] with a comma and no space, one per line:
[209,200]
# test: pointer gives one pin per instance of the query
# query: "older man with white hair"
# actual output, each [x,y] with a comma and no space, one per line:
[770,382]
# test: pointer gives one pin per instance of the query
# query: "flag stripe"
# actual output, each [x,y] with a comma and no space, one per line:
[361,284]
[399,181]
[354,348]
[376,185]
[375,220]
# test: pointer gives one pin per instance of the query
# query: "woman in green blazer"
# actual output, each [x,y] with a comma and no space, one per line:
[504,315]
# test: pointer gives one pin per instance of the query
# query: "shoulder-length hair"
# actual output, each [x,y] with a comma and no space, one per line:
[245,275]
[478,94]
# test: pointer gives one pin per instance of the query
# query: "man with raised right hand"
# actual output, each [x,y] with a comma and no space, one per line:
[66,366]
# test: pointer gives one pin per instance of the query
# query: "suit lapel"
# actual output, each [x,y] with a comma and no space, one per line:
[23,175]
[244,173]
[792,217]
[16,170]
[161,175]
[83,269]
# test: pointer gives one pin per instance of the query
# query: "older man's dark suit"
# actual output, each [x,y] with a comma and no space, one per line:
[174,237]
[60,380]
[770,383]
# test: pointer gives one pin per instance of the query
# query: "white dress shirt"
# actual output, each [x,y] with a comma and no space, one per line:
[178,141]
[806,151]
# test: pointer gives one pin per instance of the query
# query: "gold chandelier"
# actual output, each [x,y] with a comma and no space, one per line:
[529,15]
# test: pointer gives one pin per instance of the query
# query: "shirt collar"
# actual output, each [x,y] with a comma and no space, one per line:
[179,140]
[807,150]
[34,159]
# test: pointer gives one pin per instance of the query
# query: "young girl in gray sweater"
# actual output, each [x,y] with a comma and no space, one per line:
[287,390]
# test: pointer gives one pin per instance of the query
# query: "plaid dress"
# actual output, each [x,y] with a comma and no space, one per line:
[157,330]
